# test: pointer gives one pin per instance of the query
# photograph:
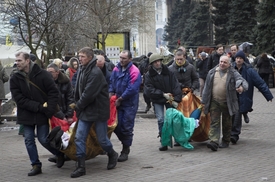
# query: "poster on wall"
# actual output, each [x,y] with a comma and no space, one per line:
[114,44]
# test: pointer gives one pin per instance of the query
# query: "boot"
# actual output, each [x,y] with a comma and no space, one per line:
[124,154]
[112,159]
[35,170]
[246,118]
[163,148]
[60,160]
[80,170]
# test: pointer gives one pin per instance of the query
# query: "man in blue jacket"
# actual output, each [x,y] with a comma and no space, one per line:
[124,83]
[246,98]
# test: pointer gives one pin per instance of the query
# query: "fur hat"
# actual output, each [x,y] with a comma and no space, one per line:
[240,54]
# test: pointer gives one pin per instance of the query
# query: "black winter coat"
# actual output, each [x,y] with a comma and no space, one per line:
[30,99]
[202,66]
[213,60]
[66,96]
[158,84]
[187,76]
[91,94]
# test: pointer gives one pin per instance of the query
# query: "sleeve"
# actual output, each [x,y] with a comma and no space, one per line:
[195,79]
[260,84]
[52,94]
[209,63]
[177,93]
[21,99]
[239,78]
[5,75]
[150,90]
[92,89]
[134,82]
[69,100]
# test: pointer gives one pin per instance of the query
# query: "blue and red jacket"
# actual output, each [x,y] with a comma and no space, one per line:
[125,84]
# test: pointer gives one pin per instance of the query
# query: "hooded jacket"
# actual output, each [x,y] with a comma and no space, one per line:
[186,75]
[158,84]
[4,77]
[30,99]
[91,94]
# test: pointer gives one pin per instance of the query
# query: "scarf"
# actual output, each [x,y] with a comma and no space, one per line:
[72,72]
[179,65]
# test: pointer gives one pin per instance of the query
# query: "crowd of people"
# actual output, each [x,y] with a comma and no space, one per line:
[88,81]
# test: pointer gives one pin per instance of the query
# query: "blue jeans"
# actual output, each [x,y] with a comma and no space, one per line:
[159,111]
[82,131]
[42,133]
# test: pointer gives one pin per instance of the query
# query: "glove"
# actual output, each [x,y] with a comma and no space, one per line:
[118,101]
[59,115]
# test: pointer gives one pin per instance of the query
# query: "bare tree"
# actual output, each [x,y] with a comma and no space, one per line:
[42,23]
[112,16]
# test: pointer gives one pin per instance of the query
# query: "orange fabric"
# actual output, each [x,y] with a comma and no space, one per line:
[189,103]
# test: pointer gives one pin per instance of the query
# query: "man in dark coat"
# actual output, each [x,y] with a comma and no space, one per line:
[31,87]
[246,98]
[66,96]
[92,106]
[102,64]
[184,71]
[158,81]
[143,68]
[202,66]
[214,58]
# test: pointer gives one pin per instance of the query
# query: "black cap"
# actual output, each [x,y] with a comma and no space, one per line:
[32,57]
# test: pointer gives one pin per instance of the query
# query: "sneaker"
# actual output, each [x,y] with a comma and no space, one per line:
[212,145]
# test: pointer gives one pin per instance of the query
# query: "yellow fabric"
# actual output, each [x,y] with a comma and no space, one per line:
[180,64]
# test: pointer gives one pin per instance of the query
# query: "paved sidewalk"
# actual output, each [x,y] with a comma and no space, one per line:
[251,160]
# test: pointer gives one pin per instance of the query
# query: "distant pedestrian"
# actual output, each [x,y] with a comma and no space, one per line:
[125,83]
[202,66]
[73,65]
[143,68]
[214,58]
[220,99]
[4,77]
[100,62]
[265,68]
